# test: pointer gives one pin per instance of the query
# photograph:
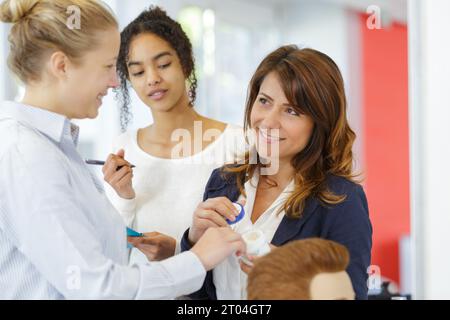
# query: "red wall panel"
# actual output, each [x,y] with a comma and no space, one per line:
[385,109]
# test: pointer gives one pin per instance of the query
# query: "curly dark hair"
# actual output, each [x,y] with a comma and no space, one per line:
[156,21]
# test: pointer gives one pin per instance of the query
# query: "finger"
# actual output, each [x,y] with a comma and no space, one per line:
[244,267]
[125,180]
[239,246]
[147,248]
[212,216]
[120,156]
[242,201]
[224,207]
[212,203]
[133,240]
[151,234]
[117,161]
[106,163]
[109,166]
[121,153]
[227,202]
[118,175]
[150,241]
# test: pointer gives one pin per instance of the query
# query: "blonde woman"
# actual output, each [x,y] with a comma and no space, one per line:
[60,238]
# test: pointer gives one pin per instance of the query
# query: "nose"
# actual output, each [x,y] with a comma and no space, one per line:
[271,120]
[114,83]
[153,77]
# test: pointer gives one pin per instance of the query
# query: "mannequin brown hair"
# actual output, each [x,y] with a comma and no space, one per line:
[286,272]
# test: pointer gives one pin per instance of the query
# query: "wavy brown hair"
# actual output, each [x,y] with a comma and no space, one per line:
[313,85]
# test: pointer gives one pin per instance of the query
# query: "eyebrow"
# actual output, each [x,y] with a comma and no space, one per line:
[158,56]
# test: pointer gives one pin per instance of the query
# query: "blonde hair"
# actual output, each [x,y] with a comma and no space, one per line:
[41,27]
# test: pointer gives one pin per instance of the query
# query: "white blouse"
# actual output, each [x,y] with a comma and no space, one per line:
[229,280]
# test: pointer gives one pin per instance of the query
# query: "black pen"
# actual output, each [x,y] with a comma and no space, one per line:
[102,163]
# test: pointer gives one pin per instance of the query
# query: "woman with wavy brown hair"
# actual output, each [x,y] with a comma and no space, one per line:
[299,181]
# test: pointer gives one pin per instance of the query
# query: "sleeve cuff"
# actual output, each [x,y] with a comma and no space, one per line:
[168,279]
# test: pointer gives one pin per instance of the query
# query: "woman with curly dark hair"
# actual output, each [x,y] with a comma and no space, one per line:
[302,184]
[159,197]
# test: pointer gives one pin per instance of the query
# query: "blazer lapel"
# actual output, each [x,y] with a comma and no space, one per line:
[290,227]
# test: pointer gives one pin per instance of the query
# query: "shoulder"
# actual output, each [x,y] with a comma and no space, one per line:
[221,183]
[226,130]
[26,149]
[353,210]
[23,138]
[209,123]
[343,186]
[220,177]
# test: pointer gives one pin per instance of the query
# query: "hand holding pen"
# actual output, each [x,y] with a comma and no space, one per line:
[118,173]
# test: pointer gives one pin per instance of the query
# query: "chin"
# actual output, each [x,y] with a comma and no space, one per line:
[92,114]
[162,106]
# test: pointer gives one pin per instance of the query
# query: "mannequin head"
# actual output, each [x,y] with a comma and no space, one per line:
[311,269]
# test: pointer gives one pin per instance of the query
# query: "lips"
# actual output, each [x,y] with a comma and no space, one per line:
[100,97]
[268,138]
[157,94]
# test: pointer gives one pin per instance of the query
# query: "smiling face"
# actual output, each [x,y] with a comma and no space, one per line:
[276,121]
[156,74]
[88,81]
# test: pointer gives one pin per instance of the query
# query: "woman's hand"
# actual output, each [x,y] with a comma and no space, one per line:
[156,246]
[246,268]
[119,175]
[211,213]
[216,245]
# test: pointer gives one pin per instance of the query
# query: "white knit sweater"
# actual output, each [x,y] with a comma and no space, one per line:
[169,190]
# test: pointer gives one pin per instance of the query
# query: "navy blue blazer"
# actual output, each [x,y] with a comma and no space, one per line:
[346,223]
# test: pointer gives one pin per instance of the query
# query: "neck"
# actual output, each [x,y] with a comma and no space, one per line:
[165,123]
[284,174]
[42,97]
